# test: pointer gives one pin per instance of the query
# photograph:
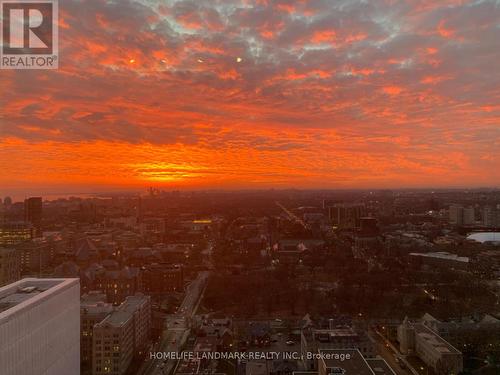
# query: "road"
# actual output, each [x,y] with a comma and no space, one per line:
[387,352]
[177,327]
[293,217]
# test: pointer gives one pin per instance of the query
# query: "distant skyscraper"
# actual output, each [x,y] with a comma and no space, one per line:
[33,213]
[40,327]
[491,217]
[460,215]
[346,215]
[7,201]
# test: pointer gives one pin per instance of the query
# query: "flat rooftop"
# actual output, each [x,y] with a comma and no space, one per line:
[442,255]
[355,364]
[380,367]
[125,311]
[117,318]
[437,342]
[15,296]
[336,332]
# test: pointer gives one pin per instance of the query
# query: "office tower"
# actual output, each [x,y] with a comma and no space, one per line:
[121,335]
[10,266]
[33,213]
[346,215]
[40,327]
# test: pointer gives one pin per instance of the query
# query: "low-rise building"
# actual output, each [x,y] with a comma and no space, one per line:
[432,349]
[93,310]
[162,278]
[117,284]
[121,335]
[345,362]
[313,339]
[440,259]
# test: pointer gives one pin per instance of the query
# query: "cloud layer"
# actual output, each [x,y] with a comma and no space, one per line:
[260,93]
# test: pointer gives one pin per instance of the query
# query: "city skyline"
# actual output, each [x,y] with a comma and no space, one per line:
[257,95]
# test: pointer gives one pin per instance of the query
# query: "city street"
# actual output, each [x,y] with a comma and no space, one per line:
[386,351]
[177,327]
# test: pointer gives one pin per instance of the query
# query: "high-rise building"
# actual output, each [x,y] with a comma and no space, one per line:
[460,215]
[121,335]
[7,202]
[40,327]
[491,216]
[10,266]
[346,215]
[33,213]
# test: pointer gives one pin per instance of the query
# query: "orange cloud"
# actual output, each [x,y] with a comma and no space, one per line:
[255,96]
[392,90]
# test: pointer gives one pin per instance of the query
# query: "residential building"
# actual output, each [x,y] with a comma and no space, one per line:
[491,216]
[460,215]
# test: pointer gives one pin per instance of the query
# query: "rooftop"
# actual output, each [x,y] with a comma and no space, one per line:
[443,255]
[117,318]
[438,343]
[380,367]
[345,362]
[124,312]
[16,296]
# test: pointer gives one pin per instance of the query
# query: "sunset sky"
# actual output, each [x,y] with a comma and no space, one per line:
[258,94]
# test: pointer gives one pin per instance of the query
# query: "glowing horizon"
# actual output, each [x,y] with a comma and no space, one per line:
[258,94]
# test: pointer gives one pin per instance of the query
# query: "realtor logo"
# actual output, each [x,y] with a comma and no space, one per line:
[29,34]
